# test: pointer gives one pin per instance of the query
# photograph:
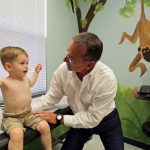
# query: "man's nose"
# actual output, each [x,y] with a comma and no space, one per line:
[65,59]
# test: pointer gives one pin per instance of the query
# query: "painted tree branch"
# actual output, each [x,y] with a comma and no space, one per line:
[79,18]
[89,16]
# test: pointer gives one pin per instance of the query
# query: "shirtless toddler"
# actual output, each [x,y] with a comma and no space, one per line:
[17,99]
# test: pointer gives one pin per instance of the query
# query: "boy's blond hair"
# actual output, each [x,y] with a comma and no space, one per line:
[8,54]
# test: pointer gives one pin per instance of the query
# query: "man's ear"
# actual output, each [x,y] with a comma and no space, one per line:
[8,66]
[90,65]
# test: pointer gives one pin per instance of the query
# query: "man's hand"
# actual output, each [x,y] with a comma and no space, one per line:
[48,116]
[38,68]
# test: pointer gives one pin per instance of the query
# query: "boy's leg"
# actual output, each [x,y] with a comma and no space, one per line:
[44,130]
[16,139]
[15,129]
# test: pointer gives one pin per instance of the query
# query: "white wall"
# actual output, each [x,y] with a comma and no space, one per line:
[61,26]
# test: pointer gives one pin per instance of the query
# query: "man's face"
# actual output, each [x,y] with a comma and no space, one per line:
[74,57]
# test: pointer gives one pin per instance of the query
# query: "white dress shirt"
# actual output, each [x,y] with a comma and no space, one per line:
[90,100]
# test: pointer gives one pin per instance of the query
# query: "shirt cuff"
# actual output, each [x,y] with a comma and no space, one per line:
[69,120]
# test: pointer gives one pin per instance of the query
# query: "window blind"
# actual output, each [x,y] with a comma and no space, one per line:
[22,24]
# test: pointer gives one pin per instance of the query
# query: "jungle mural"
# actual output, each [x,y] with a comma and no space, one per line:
[133,107]
[142,31]
[84,22]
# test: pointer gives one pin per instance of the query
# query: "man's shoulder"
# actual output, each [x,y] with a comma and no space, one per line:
[61,70]
[103,67]
[62,67]
[104,70]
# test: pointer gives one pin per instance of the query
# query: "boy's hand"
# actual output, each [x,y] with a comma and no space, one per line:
[38,68]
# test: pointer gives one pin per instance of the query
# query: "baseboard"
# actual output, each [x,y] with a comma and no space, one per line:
[136,143]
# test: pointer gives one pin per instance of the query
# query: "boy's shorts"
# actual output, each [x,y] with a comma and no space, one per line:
[20,120]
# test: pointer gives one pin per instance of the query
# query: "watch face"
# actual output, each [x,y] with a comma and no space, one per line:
[59,117]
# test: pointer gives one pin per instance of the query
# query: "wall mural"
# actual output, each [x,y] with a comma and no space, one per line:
[84,22]
[134,106]
[142,31]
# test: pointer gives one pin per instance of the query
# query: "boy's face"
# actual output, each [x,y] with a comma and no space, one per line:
[19,66]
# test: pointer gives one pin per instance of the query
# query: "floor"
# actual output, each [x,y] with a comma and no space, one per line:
[96,144]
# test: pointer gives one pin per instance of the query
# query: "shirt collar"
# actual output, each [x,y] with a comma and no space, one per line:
[93,71]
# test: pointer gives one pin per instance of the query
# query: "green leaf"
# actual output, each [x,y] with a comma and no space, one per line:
[76,4]
[93,2]
[147,3]
[128,10]
[98,8]
[84,22]
[68,3]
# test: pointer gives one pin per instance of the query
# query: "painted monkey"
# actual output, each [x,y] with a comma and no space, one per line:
[142,32]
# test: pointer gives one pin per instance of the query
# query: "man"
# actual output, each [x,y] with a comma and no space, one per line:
[90,87]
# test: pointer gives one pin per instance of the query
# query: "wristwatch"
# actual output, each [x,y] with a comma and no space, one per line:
[59,118]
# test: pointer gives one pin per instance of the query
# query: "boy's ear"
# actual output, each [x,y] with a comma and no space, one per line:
[8,66]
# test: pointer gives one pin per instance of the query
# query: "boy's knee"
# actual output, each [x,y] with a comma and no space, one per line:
[43,127]
[16,135]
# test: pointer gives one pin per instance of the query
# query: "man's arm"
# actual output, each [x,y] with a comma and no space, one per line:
[53,95]
[34,77]
[101,105]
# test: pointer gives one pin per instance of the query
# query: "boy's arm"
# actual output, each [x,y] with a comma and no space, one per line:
[34,77]
[1,82]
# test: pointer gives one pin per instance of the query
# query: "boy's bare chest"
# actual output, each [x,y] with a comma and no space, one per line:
[12,87]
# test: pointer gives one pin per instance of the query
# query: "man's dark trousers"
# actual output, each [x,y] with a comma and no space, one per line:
[109,131]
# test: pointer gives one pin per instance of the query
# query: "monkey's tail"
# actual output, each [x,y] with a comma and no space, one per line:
[135,64]
[142,10]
